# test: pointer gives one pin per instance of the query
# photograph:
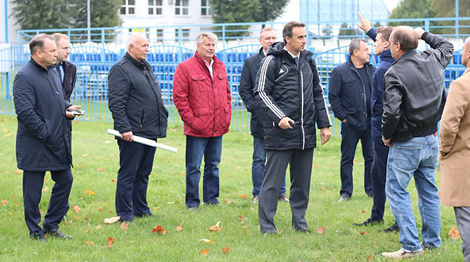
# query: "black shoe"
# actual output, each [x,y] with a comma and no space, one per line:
[56,233]
[369,222]
[370,194]
[143,215]
[394,228]
[39,237]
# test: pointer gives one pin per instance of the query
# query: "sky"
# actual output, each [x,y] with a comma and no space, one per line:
[391,4]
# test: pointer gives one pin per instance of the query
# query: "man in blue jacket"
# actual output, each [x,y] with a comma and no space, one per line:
[349,94]
[42,141]
[247,84]
[379,165]
[134,99]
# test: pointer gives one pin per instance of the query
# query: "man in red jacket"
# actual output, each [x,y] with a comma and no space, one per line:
[202,95]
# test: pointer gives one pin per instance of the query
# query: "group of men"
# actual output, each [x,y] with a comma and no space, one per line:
[394,110]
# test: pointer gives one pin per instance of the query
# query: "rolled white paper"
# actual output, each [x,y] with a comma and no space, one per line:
[145,141]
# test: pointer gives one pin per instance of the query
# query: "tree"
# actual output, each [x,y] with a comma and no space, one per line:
[38,14]
[348,31]
[412,9]
[51,14]
[244,11]
[327,30]
[446,8]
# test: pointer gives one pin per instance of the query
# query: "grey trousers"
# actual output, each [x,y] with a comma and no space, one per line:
[462,215]
[300,171]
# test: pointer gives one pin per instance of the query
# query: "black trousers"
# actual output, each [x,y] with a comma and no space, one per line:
[32,190]
[274,176]
[136,162]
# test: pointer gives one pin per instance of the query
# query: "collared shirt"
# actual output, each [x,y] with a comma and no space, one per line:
[209,66]
[293,56]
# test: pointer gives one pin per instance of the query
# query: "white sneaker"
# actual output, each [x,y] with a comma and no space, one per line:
[401,254]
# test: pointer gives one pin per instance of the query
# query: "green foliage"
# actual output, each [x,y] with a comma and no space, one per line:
[93,149]
[415,9]
[446,8]
[39,14]
[346,30]
[244,11]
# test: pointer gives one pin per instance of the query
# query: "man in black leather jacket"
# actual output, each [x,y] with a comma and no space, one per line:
[414,98]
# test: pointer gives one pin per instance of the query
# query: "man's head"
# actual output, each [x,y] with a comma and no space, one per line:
[205,43]
[382,39]
[137,46]
[295,37]
[359,51]
[63,47]
[267,36]
[43,50]
[402,40]
[466,53]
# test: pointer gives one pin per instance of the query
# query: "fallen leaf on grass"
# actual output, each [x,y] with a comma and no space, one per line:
[363,233]
[182,174]
[243,196]
[76,209]
[98,227]
[204,252]
[112,180]
[159,228]
[90,243]
[363,211]
[225,250]
[17,171]
[179,228]
[323,188]
[321,230]
[315,165]
[111,220]
[88,192]
[77,218]
[215,227]
[208,241]
[370,257]
[108,142]
[228,201]
[110,242]
[454,234]
[100,169]
[124,226]
[46,189]
[85,155]
[4,202]
[100,209]
[9,134]
[5,130]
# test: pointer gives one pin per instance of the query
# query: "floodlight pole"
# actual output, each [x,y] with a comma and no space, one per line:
[88,19]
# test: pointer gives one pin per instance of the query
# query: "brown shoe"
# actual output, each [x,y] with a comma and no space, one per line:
[284,198]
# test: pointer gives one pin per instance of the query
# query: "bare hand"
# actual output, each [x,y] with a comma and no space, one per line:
[127,136]
[285,122]
[387,142]
[364,24]
[325,134]
[419,31]
[71,108]
[344,121]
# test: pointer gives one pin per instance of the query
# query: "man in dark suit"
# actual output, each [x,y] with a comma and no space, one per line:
[67,71]
[67,74]
[247,83]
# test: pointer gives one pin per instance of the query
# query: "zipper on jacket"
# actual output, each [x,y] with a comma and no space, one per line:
[363,89]
[302,109]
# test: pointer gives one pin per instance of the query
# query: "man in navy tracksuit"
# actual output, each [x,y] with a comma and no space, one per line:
[379,166]
[349,94]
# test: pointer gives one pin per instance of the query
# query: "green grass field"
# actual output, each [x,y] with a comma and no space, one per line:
[95,167]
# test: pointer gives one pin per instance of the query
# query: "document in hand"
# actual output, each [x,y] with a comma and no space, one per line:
[145,141]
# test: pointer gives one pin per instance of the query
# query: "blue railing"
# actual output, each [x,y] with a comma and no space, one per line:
[94,60]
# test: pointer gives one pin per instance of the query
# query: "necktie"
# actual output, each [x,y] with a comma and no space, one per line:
[60,74]
[296,59]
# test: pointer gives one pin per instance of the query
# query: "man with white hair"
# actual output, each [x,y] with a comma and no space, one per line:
[202,95]
[134,99]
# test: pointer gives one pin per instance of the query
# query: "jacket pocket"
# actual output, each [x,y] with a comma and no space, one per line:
[201,120]
[200,82]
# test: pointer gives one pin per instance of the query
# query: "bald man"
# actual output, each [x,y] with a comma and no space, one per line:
[413,101]
[135,100]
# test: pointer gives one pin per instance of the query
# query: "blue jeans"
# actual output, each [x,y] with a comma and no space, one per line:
[349,139]
[211,149]
[416,158]
[258,166]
